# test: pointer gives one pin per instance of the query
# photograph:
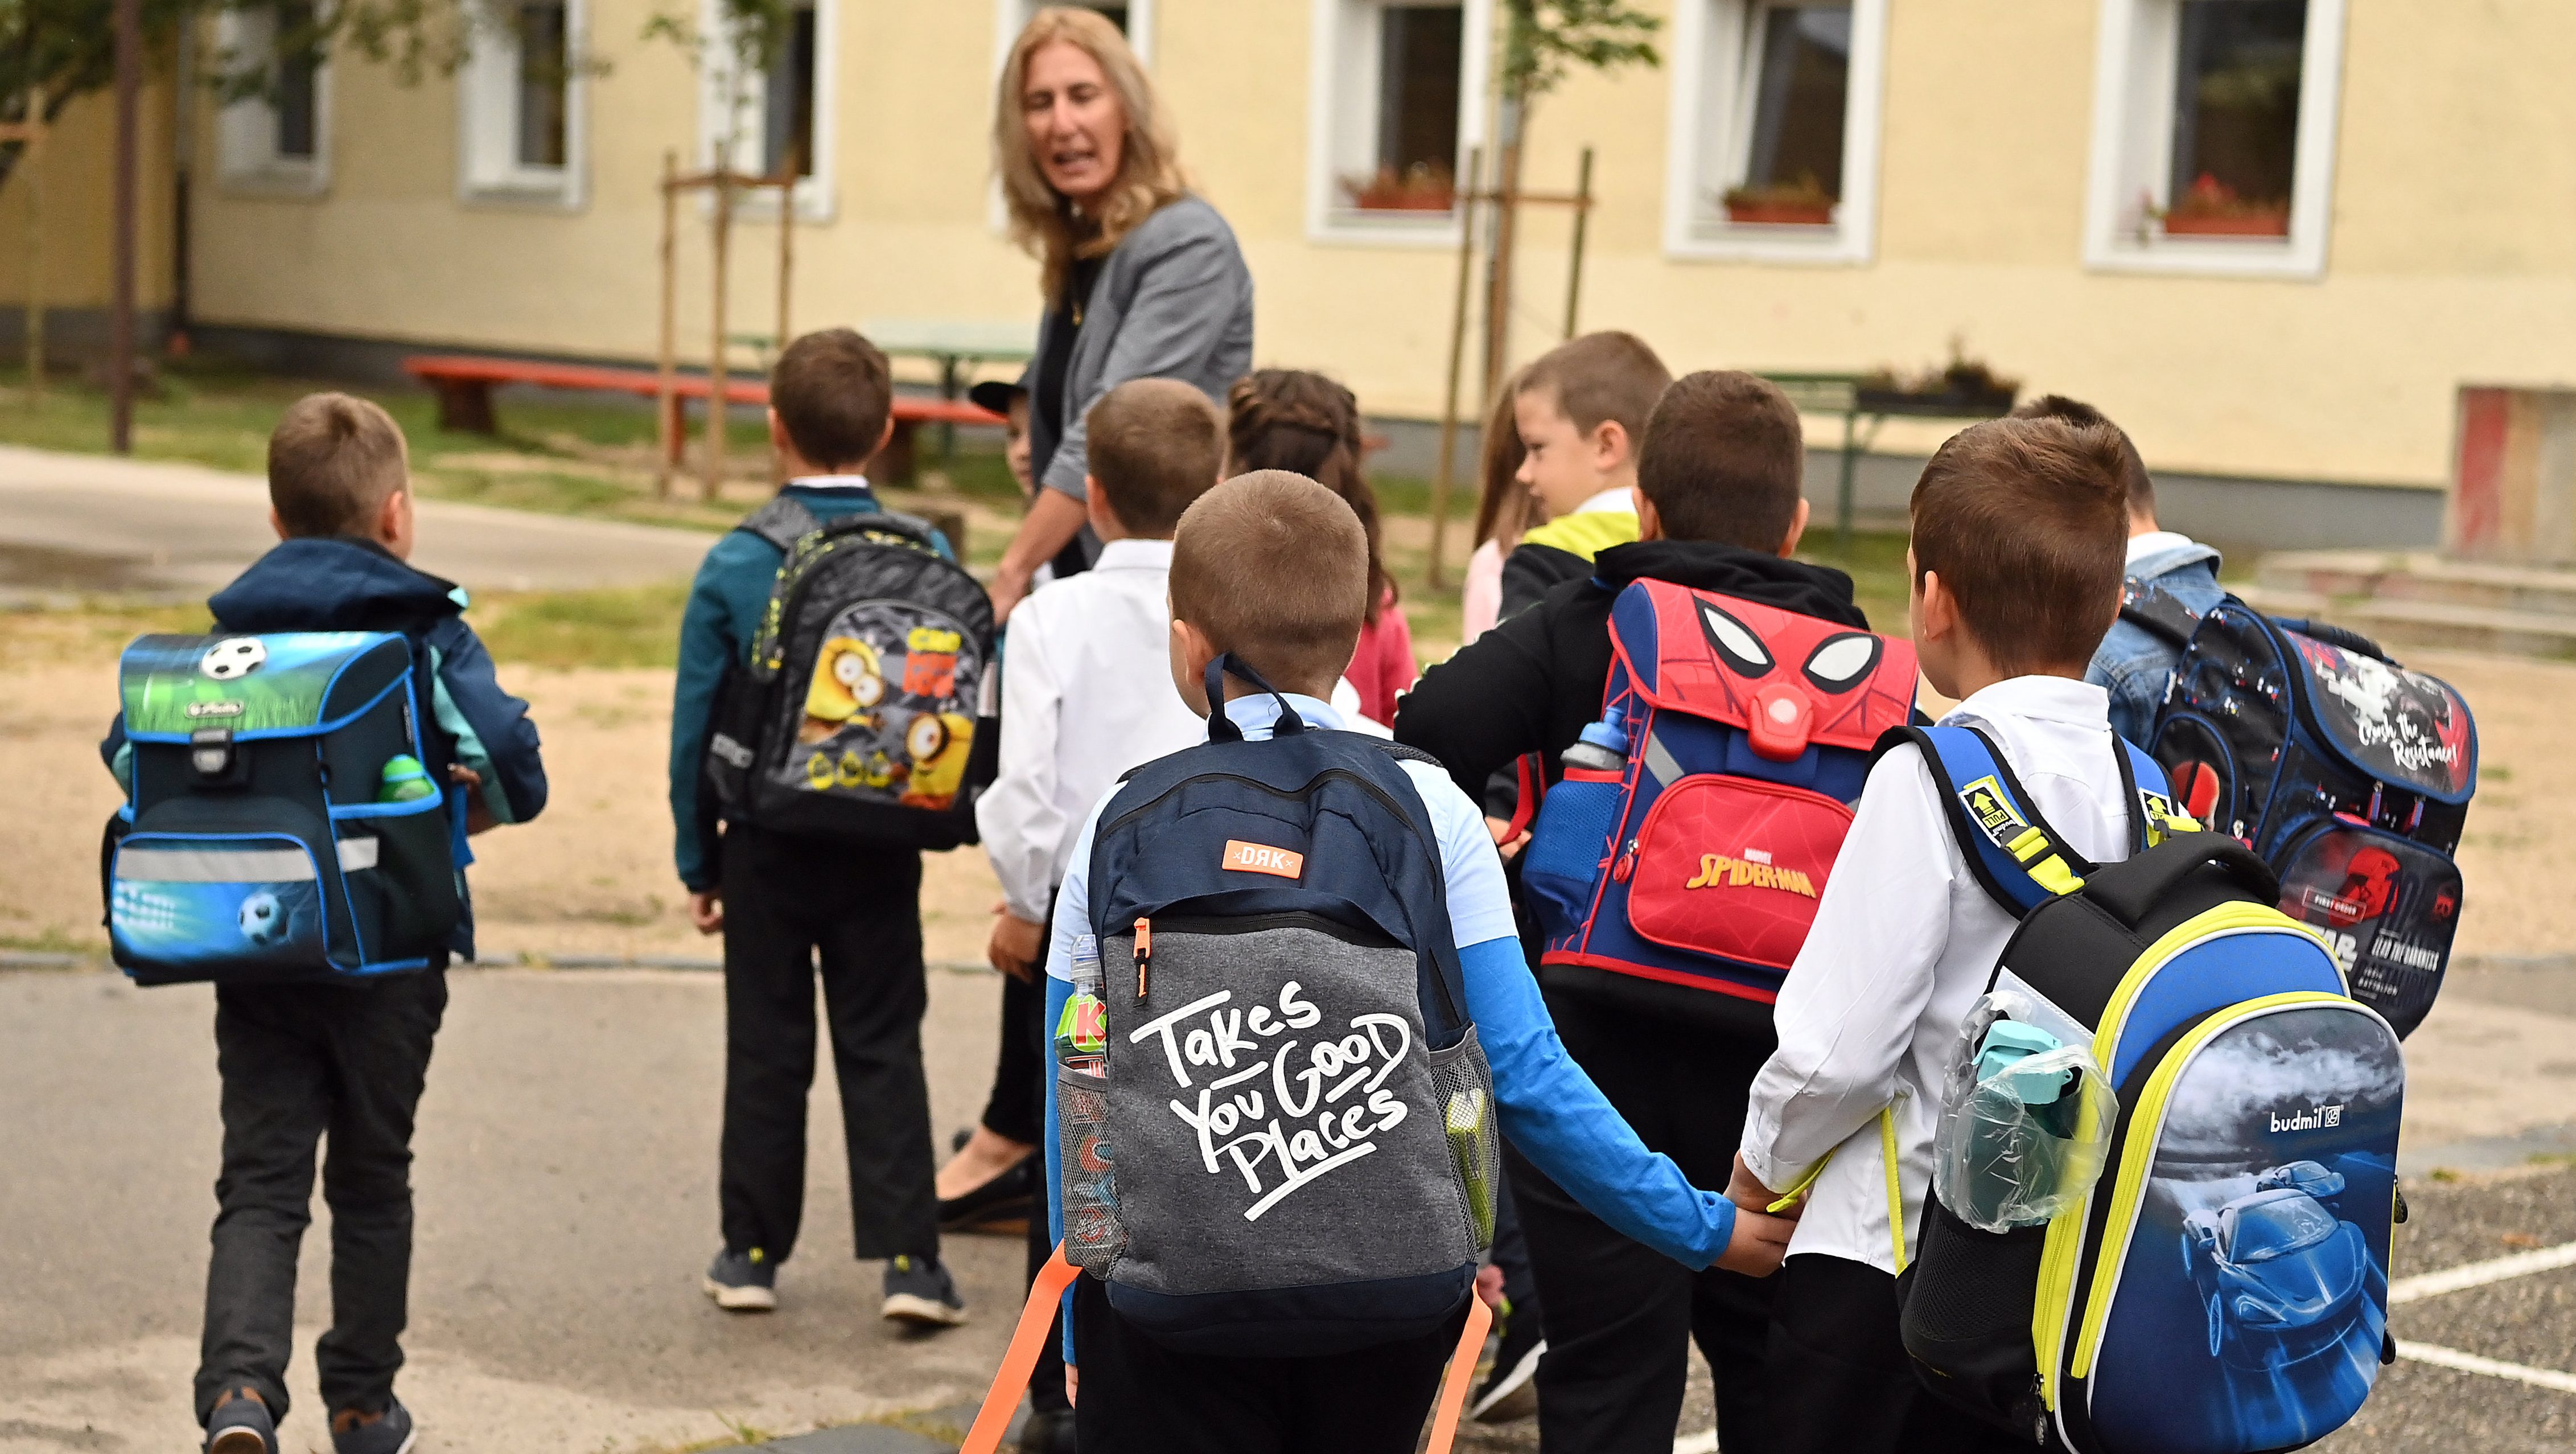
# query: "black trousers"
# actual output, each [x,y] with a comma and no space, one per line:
[301,1063]
[1619,1316]
[791,903]
[1139,1397]
[1013,1111]
[1841,1382]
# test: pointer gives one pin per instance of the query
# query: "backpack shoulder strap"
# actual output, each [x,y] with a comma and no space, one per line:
[1402,753]
[2149,607]
[782,522]
[2019,860]
[2153,814]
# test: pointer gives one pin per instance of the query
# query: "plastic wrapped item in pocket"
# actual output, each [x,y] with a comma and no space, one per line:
[2025,1131]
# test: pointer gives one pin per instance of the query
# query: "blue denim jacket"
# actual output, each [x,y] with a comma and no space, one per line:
[2134,664]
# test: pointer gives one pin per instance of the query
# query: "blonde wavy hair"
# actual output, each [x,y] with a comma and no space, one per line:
[1149,169]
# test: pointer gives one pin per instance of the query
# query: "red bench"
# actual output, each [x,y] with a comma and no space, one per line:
[464,385]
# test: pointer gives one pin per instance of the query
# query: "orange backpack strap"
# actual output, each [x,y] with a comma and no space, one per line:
[1035,1320]
[1003,1399]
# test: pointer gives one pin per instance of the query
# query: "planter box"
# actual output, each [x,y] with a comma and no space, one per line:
[1780,214]
[2259,224]
[1941,406]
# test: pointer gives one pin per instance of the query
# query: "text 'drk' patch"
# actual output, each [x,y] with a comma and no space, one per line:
[1245,857]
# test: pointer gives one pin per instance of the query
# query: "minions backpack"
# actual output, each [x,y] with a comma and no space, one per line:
[2222,1286]
[865,710]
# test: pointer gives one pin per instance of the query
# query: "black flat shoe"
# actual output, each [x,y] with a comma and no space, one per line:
[1010,1194]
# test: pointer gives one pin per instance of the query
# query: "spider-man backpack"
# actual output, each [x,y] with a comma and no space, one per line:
[1686,876]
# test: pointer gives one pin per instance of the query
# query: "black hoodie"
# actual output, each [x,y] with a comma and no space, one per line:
[1533,682]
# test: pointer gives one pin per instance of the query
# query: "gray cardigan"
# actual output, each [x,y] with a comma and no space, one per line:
[1173,301]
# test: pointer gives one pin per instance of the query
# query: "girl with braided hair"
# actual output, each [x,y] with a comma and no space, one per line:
[1291,419]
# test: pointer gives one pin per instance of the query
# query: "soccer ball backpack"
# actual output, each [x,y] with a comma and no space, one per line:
[2165,1172]
[286,818]
[2348,773]
[1683,854]
[866,710]
[1277,1130]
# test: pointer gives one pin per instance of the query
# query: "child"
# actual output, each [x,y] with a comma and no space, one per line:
[1581,409]
[1302,422]
[2133,663]
[1504,512]
[298,1060]
[782,901]
[1271,567]
[1720,509]
[1083,702]
[2015,564]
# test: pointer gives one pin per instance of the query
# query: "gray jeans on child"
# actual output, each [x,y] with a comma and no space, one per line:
[299,1063]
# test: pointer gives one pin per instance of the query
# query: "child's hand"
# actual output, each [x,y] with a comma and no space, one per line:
[1758,1244]
[1506,842]
[1015,945]
[1489,1286]
[1072,1384]
[706,911]
[1750,1195]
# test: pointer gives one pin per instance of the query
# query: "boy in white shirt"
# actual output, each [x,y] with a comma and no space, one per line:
[2019,529]
[1086,695]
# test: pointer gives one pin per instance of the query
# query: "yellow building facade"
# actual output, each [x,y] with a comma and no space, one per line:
[2048,184]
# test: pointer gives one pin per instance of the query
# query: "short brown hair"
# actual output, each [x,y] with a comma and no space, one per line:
[1601,376]
[2133,468]
[1154,445]
[832,392]
[333,461]
[1725,459]
[1273,567]
[2027,522]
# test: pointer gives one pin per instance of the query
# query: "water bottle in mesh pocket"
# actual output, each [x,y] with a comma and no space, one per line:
[1466,1089]
[1093,1234]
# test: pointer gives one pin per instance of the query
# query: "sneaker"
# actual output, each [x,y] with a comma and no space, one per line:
[1007,1197]
[743,1282]
[241,1425]
[1511,1391]
[920,1292]
[391,1432]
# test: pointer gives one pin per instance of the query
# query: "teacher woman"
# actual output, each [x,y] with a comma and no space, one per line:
[1142,279]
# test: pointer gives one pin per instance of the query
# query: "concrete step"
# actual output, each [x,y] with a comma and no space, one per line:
[2421,576]
[2402,622]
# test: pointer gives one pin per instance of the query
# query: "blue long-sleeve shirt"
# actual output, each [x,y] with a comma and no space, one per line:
[1550,1108]
[726,602]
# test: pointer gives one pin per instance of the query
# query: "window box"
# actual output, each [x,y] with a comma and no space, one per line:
[1774,140]
[1423,189]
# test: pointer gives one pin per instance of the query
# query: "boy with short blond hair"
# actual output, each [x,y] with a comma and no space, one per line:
[341,1064]
[1083,700]
[2019,526]
[1270,571]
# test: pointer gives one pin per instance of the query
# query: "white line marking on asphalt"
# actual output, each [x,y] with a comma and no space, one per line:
[1703,1442]
[2453,1358]
[2479,1274]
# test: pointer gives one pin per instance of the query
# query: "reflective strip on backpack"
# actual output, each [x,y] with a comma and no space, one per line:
[216,865]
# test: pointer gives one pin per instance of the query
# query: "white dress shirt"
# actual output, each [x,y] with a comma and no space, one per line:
[1086,695]
[1904,943]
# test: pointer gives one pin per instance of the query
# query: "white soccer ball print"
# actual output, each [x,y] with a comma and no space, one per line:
[263,918]
[235,656]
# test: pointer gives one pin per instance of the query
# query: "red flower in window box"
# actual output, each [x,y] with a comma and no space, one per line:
[1419,188]
[2213,209]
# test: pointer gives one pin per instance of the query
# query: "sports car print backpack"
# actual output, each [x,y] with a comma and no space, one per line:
[866,711]
[2166,1169]
[1685,865]
[2349,774]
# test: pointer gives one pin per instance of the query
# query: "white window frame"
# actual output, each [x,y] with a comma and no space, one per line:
[1710,128]
[816,197]
[2133,84]
[488,168]
[1010,17]
[1341,112]
[246,155]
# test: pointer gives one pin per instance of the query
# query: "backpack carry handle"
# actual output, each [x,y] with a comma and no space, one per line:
[2336,636]
[1221,727]
[2130,889]
[1037,1319]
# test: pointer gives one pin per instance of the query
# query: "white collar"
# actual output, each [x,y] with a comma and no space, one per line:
[1608,500]
[830,482]
[2053,699]
[1259,712]
[1135,555]
[2156,541]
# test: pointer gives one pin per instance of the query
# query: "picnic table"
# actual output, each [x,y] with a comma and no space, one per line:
[1846,395]
[954,346]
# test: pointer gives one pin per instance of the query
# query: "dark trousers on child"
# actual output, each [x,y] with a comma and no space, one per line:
[1840,1380]
[1619,1316]
[1139,1397]
[302,1063]
[792,903]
